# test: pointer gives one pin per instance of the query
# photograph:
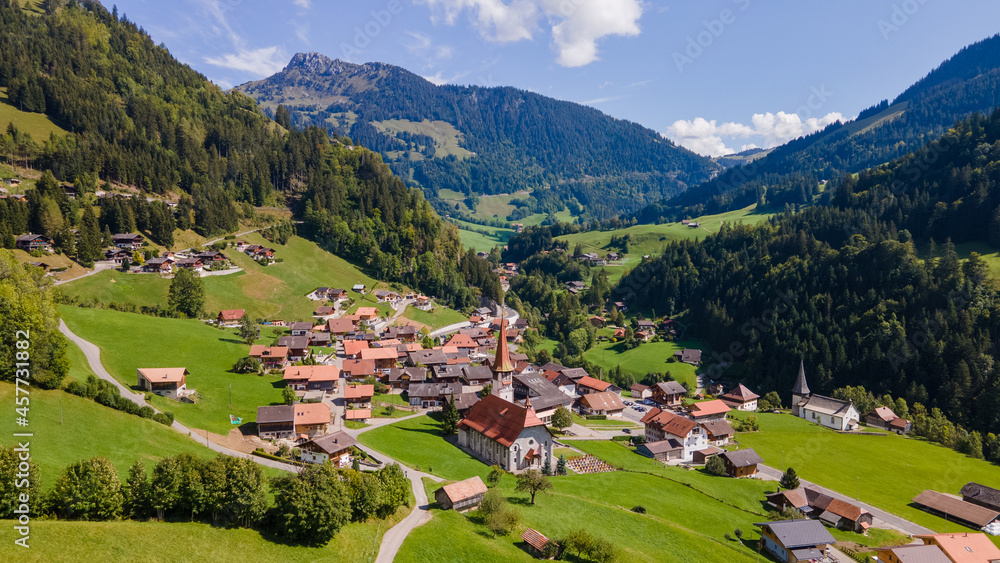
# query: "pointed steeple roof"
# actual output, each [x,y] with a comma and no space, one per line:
[502,363]
[801,388]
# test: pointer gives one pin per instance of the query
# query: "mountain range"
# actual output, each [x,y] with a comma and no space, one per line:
[479,140]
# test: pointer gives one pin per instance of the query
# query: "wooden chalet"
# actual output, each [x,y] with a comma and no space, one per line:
[741,463]
[31,242]
[165,382]
[335,448]
[461,496]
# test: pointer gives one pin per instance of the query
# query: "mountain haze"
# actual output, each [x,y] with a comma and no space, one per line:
[478,140]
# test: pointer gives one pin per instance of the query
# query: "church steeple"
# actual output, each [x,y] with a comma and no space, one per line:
[503,368]
[801,388]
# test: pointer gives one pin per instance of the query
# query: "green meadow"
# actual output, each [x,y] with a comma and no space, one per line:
[648,357]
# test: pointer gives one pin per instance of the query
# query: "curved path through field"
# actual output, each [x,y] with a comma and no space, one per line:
[393,538]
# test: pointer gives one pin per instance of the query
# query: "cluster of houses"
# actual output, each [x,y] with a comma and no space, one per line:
[833,512]
[257,252]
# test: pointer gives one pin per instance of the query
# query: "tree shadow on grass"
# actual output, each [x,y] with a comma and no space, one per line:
[520,501]
[433,431]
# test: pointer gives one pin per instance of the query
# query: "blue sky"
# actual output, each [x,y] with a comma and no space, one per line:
[714,75]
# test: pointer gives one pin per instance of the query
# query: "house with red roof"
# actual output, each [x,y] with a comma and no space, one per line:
[311,378]
[461,496]
[709,410]
[663,425]
[500,432]
[229,317]
[587,385]
[356,370]
[741,398]
[384,358]
[271,357]
[359,396]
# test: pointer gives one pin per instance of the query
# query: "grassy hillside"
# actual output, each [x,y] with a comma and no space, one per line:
[275,291]
[906,466]
[38,125]
[154,542]
[650,357]
[129,341]
[446,137]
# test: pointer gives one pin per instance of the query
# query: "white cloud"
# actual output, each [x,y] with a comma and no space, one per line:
[421,45]
[262,62]
[576,25]
[438,78]
[304,4]
[708,137]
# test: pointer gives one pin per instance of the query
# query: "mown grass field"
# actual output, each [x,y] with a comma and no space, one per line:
[417,442]
[437,317]
[894,469]
[38,125]
[650,239]
[68,428]
[172,542]
[275,291]
[129,341]
[649,357]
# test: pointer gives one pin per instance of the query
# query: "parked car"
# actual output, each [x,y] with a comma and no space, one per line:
[627,430]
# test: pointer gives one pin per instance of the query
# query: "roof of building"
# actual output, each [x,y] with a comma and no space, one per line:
[367,312]
[300,342]
[576,374]
[816,499]
[709,408]
[957,508]
[603,401]
[982,494]
[591,383]
[740,394]
[663,446]
[312,413]
[415,374]
[359,367]
[671,423]
[671,388]
[845,509]
[500,420]
[333,443]
[357,414]
[163,375]
[899,423]
[535,539]
[718,428]
[462,341]
[340,326]
[312,373]
[883,413]
[462,490]
[464,401]
[354,347]
[231,314]
[501,362]
[743,458]
[477,372]
[379,354]
[800,387]
[270,352]
[277,413]
[965,547]
[301,325]
[689,355]
[434,389]
[638,388]
[826,405]
[794,534]
[915,554]
[794,497]
[544,394]
[428,357]
[359,391]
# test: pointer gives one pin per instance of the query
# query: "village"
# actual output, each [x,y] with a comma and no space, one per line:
[344,374]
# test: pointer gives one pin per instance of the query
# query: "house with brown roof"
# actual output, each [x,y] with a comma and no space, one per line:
[587,385]
[432,395]
[401,378]
[312,378]
[790,498]
[461,496]
[741,463]
[688,356]
[289,421]
[130,241]
[498,431]
[324,311]
[31,242]
[367,313]
[640,391]
[846,516]
[271,357]
[335,448]
[741,398]
[663,450]
[298,347]
[311,419]
[356,370]
[384,358]
[340,327]
[663,425]
[912,554]
[884,418]
[359,396]
[668,393]
[964,547]
[984,496]
[719,432]
[165,382]
[709,410]
[353,348]
[604,403]
[955,509]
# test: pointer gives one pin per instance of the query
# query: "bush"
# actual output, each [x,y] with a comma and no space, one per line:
[247,365]
[164,418]
[639,509]
[597,417]
[715,466]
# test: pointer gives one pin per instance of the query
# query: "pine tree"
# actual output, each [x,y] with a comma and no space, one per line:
[89,249]
[450,417]
[789,480]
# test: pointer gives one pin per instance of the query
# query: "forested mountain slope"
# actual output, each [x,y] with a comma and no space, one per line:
[790,174]
[843,287]
[478,140]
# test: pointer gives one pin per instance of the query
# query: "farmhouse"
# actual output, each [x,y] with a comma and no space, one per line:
[688,356]
[790,498]
[195,264]
[300,328]
[984,496]
[359,396]
[117,256]
[270,357]
[401,378]
[356,370]
[587,385]
[312,378]
[884,418]
[964,547]
[384,358]
[664,450]
[335,448]
[709,410]
[741,463]
[844,515]
[668,393]
[431,395]
[719,431]
[461,496]
[32,242]
[358,288]
[792,541]
[826,411]
[912,554]
[288,421]
[741,398]
[159,265]
[131,241]
[229,317]
[165,382]
[640,391]
[499,432]
[604,403]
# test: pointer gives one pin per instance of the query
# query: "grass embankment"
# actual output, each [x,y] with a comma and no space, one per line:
[129,341]
[649,357]
[438,317]
[905,466]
